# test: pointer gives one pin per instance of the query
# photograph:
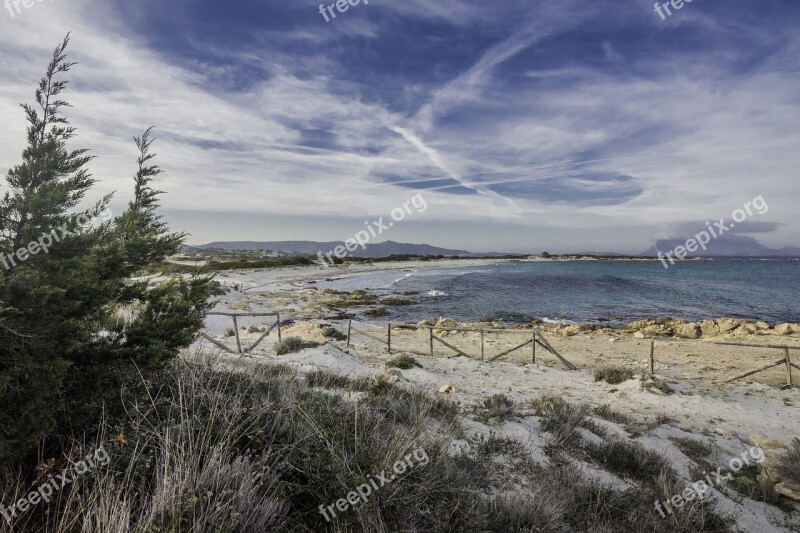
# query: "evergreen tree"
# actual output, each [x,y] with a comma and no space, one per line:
[66,275]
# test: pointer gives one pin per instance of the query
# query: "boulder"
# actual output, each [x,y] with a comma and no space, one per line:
[709,328]
[446,323]
[689,330]
[636,325]
[783,329]
[745,329]
[726,325]
[448,389]
[569,331]
[762,325]
[639,335]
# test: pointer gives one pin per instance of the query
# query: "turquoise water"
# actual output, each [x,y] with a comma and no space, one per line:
[595,291]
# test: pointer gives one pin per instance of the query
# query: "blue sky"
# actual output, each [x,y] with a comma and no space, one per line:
[526,125]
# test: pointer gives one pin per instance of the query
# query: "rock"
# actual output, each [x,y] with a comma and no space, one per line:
[709,328]
[639,335]
[745,329]
[727,325]
[783,329]
[635,325]
[689,330]
[569,331]
[448,389]
[447,323]
[427,322]
[784,490]
[762,325]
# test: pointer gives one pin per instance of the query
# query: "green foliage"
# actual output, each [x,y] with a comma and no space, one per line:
[64,349]
[403,362]
[614,374]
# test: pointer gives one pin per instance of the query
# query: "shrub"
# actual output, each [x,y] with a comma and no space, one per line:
[630,459]
[332,333]
[293,344]
[607,413]
[499,407]
[614,375]
[403,362]
[561,419]
[789,465]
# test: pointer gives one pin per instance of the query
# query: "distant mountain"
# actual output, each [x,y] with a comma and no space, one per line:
[381,249]
[724,246]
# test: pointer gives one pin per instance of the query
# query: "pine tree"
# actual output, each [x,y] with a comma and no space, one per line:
[66,273]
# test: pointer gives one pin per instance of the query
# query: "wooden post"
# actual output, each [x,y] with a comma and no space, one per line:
[482,346]
[430,332]
[236,330]
[652,357]
[349,327]
[533,348]
[389,339]
[280,339]
[788,366]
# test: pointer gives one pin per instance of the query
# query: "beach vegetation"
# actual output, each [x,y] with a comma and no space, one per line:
[403,362]
[294,344]
[614,375]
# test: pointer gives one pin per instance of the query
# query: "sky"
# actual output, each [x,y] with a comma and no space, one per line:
[526,125]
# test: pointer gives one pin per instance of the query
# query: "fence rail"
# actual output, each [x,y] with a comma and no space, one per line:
[235,317]
[534,340]
[786,360]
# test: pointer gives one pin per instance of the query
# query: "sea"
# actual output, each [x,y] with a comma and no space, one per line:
[591,292]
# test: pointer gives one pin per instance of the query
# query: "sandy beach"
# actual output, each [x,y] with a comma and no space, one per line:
[757,409]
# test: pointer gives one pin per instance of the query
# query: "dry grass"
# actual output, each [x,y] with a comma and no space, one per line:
[214,447]
[614,375]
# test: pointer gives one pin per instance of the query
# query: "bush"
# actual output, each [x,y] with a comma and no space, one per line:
[332,333]
[498,407]
[614,375]
[293,344]
[403,362]
[789,465]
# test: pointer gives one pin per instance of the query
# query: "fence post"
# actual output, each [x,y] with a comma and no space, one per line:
[280,339]
[349,326]
[482,346]
[533,348]
[788,366]
[236,330]
[652,357]
[430,333]
[389,341]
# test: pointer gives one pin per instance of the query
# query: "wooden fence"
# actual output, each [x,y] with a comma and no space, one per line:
[235,317]
[534,340]
[786,360]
